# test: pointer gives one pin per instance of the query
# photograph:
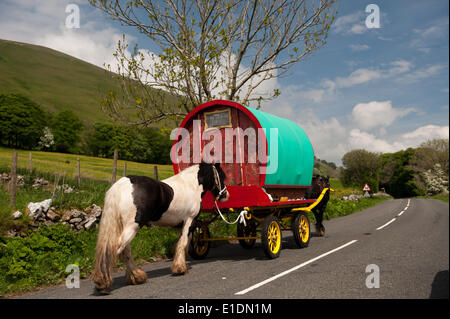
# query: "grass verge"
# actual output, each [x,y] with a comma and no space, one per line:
[441,197]
[40,258]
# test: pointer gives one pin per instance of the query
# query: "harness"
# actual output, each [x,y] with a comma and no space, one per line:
[218,185]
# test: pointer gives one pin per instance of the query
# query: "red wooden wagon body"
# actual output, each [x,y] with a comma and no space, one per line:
[268,197]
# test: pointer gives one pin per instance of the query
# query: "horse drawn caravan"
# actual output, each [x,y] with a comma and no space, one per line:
[268,162]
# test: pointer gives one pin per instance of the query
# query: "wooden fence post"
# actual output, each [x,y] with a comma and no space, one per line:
[79,173]
[114,172]
[155,172]
[13,181]
[125,169]
[30,159]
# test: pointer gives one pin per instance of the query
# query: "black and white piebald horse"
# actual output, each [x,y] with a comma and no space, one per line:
[318,184]
[135,201]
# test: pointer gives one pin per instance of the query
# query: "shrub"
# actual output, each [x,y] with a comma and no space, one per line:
[41,257]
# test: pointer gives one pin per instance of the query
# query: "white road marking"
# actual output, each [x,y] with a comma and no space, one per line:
[400,214]
[293,269]
[381,227]
[406,208]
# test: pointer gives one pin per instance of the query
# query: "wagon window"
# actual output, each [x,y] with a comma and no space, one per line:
[217,119]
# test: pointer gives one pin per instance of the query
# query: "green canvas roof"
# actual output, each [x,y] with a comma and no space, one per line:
[295,152]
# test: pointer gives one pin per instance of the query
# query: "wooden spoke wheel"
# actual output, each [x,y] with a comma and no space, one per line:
[198,247]
[247,231]
[271,237]
[301,229]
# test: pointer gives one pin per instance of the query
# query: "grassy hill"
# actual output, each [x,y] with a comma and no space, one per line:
[53,79]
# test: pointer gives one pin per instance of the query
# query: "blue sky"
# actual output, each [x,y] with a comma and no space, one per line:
[381,89]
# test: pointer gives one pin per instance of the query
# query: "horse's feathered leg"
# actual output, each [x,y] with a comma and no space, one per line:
[179,261]
[134,274]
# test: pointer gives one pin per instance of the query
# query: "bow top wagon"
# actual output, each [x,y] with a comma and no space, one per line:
[268,162]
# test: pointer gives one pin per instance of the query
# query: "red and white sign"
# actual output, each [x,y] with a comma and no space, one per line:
[366,188]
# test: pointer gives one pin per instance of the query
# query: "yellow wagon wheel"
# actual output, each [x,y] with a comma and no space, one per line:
[271,237]
[301,229]
[198,246]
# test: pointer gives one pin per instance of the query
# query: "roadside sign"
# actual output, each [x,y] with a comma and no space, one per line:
[366,188]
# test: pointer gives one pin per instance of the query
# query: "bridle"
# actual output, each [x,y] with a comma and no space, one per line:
[218,185]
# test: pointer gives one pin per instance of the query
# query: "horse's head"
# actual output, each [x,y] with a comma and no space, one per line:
[320,182]
[212,177]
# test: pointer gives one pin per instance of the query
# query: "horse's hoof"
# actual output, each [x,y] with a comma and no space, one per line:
[179,270]
[137,277]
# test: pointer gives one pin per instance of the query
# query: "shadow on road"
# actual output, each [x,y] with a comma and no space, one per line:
[439,287]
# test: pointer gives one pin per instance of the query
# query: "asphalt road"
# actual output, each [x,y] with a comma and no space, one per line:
[410,252]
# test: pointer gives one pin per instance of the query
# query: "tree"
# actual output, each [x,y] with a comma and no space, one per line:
[396,175]
[22,121]
[431,165]
[208,49]
[148,145]
[46,140]
[66,128]
[361,167]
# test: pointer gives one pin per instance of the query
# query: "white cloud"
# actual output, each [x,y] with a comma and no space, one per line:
[92,45]
[43,23]
[367,141]
[400,66]
[427,132]
[364,140]
[328,137]
[350,24]
[359,76]
[359,47]
[433,34]
[377,114]
[365,75]
[423,73]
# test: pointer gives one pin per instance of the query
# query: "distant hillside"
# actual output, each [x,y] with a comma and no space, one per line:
[322,167]
[56,81]
[53,79]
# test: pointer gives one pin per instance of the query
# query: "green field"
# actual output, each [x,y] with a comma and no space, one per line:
[91,167]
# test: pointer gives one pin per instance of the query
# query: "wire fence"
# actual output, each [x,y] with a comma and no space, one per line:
[78,168]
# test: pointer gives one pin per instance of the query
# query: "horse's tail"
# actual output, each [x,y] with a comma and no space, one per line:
[108,240]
